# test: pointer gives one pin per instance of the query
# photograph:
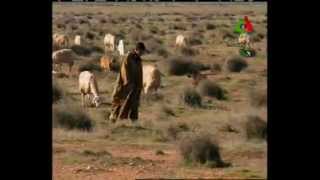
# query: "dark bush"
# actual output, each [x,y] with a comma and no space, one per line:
[83,21]
[201,149]
[96,49]
[256,128]
[179,66]
[113,21]
[57,92]
[70,117]
[191,97]
[159,152]
[163,52]
[195,41]
[103,21]
[210,26]
[139,26]
[208,88]
[154,29]
[61,26]
[236,64]
[89,66]
[81,50]
[183,65]
[160,19]
[216,67]
[188,51]
[90,35]
[179,27]
[122,19]
[74,27]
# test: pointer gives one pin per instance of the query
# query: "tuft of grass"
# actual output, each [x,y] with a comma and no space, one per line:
[154,29]
[163,52]
[81,50]
[216,67]
[188,51]
[194,41]
[89,66]
[208,88]
[175,129]
[90,35]
[70,118]
[191,97]
[210,26]
[97,154]
[201,149]
[256,128]
[180,27]
[179,66]
[236,64]
[159,152]
[57,92]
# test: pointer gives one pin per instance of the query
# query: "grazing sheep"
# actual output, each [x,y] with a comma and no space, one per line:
[89,88]
[77,40]
[151,78]
[108,42]
[64,56]
[121,47]
[180,41]
[60,41]
[106,62]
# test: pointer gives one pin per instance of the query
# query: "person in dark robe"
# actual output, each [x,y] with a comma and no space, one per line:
[126,94]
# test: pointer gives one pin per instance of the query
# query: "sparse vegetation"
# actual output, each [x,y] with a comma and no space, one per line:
[195,41]
[70,118]
[164,117]
[216,67]
[175,129]
[188,51]
[201,149]
[163,52]
[89,66]
[236,64]
[191,97]
[81,50]
[160,152]
[57,92]
[179,66]
[256,128]
[210,26]
[208,88]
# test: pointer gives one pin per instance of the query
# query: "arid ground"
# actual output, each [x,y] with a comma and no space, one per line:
[120,151]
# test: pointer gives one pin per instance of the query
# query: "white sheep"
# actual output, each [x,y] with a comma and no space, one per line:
[88,87]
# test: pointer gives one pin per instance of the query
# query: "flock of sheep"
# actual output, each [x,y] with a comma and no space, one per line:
[88,85]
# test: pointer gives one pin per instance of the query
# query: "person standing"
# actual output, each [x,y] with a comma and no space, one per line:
[126,94]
